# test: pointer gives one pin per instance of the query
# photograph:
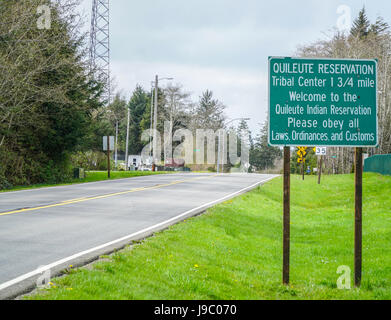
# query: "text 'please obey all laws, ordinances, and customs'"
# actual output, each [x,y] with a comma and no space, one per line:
[322,102]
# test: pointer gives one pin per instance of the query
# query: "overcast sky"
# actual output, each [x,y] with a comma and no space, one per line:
[221,45]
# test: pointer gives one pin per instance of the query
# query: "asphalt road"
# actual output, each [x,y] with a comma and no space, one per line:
[46,226]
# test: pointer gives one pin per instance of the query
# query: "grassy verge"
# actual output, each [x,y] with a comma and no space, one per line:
[234,251]
[91,176]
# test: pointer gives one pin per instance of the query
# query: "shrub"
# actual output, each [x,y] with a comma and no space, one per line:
[90,160]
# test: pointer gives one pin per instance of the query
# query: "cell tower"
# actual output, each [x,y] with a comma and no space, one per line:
[100,43]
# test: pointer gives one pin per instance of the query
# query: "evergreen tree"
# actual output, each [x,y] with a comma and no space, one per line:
[209,113]
[379,27]
[361,25]
[263,155]
[243,128]
[138,105]
[145,123]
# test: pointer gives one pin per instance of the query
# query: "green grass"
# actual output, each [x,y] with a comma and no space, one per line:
[90,176]
[234,251]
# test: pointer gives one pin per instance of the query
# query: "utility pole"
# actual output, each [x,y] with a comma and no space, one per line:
[151,124]
[127,142]
[155,118]
[218,151]
[116,144]
[155,155]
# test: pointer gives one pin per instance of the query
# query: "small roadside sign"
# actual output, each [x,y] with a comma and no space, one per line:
[108,145]
[111,142]
[321,151]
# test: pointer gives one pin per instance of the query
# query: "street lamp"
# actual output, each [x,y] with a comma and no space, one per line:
[219,148]
[156,83]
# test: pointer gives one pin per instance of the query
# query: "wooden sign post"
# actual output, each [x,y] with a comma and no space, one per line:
[108,157]
[320,169]
[320,152]
[358,218]
[287,218]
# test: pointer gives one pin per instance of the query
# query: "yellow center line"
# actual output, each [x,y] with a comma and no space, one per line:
[78,200]
[73,199]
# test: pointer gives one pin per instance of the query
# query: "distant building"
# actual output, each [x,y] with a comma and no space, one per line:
[136,162]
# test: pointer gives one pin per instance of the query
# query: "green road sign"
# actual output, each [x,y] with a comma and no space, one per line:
[322,102]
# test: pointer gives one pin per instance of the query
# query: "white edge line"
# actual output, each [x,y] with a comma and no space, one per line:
[108,244]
